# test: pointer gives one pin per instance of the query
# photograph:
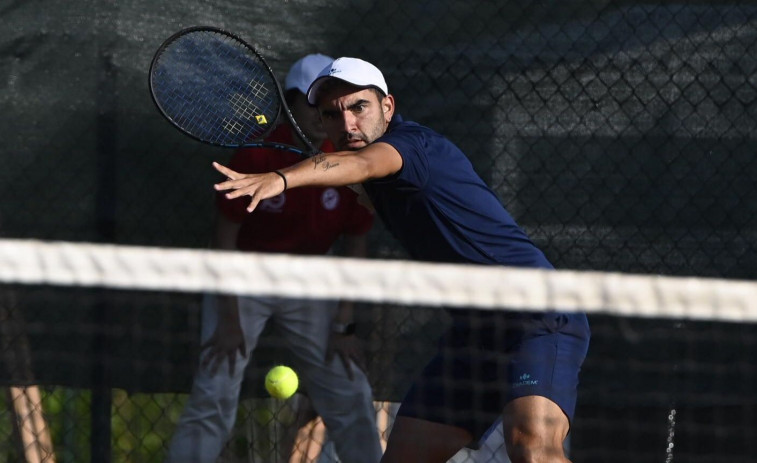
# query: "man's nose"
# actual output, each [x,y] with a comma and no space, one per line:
[349,121]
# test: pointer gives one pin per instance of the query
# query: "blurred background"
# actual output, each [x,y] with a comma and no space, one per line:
[620,134]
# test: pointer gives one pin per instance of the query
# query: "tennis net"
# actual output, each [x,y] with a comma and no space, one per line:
[100,343]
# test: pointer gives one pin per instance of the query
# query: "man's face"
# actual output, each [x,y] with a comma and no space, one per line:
[354,117]
[308,119]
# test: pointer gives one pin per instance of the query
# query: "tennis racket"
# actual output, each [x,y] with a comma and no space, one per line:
[216,88]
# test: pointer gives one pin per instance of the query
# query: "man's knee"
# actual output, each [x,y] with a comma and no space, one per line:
[535,428]
[534,449]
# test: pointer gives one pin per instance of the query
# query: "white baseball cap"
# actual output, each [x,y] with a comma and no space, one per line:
[352,70]
[305,70]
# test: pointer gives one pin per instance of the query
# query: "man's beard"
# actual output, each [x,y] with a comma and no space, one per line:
[353,137]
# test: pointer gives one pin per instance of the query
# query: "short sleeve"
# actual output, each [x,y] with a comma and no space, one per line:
[410,141]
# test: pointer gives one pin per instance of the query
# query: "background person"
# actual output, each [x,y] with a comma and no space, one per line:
[319,334]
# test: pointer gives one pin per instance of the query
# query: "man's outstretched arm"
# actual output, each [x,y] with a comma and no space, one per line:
[341,168]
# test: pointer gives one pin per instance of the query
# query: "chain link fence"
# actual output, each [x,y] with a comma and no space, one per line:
[619,134]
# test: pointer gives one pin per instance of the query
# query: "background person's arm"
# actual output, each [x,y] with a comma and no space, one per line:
[346,345]
[228,337]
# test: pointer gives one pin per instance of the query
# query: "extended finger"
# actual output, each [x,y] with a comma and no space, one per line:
[360,362]
[210,363]
[209,352]
[237,189]
[347,365]
[232,184]
[231,174]
[253,204]
[232,362]
[205,360]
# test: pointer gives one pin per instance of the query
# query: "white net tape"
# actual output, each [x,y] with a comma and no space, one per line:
[371,280]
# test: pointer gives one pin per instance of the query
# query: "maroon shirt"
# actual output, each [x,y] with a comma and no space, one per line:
[304,220]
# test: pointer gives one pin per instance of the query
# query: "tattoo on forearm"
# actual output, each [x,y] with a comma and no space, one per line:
[317,159]
[320,161]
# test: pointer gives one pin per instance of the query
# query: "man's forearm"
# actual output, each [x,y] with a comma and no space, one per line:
[344,167]
[228,310]
[332,169]
[345,313]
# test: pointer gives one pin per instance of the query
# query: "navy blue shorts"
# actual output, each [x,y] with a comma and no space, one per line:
[489,358]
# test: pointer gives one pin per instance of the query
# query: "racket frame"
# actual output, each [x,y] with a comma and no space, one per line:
[283,107]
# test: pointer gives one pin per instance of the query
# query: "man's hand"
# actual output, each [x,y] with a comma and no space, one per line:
[349,348]
[226,341]
[257,186]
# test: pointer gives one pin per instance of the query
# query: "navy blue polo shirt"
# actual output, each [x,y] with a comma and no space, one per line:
[439,208]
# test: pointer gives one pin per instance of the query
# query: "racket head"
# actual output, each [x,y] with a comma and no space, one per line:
[218,89]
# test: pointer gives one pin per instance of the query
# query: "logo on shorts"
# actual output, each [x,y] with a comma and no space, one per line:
[525,380]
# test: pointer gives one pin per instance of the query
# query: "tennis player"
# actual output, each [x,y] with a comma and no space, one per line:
[520,369]
[319,334]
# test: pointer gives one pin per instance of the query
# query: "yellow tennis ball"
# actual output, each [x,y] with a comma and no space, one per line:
[281,382]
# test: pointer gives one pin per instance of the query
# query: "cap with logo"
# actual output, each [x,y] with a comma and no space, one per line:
[305,70]
[351,70]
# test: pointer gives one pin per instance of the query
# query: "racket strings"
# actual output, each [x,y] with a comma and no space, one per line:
[215,88]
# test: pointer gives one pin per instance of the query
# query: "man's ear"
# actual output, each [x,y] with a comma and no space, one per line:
[387,106]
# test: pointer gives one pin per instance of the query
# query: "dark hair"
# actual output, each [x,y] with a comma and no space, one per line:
[379,93]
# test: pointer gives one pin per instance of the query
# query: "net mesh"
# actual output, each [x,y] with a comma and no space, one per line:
[671,358]
[620,135]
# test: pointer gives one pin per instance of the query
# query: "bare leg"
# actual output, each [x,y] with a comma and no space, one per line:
[31,428]
[420,441]
[309,432]
[310,439]
[535,428]
[30,425]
